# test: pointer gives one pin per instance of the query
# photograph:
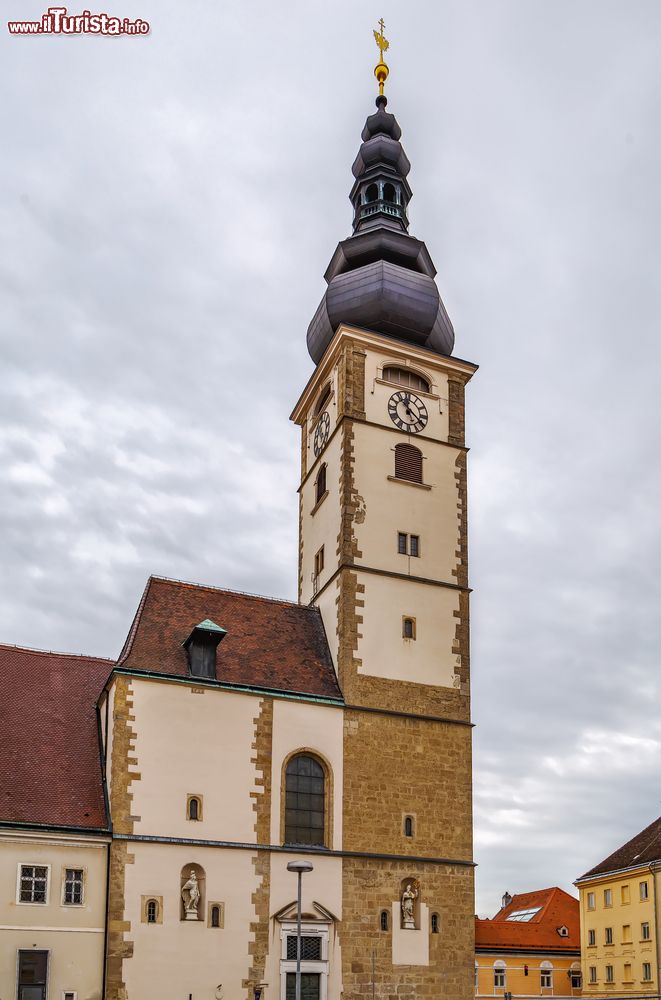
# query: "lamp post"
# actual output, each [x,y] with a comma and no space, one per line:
[299,867]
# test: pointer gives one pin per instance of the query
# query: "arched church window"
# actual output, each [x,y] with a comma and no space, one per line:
[384,920]
[215,916]
[320,483]
[372,193]
[152,911]
[408,822]
[390,193]
[408,463]
[403,376]
[305,801]
[434,923]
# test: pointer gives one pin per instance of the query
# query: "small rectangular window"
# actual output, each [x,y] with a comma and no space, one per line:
[590,901]
[408,628]
[499,978]
[645,930]
[609,973]
[592,937]
[644,892]
[593,973]
[69,995]
[608,897]
[319,561]
[575,978]
[625,898]
[609,935]
[415,546]
[647,971]
[33,884]
[626,934]
[546,979]
[402,540]
[73,887]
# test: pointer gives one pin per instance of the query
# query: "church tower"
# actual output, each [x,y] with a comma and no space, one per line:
[383,554]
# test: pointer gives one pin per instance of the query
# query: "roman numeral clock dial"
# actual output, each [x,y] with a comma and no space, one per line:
[407,411]
[321,432]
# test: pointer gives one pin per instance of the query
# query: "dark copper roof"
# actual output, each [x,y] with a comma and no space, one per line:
[555,909]
[642,849]
[50,768]
[269,643]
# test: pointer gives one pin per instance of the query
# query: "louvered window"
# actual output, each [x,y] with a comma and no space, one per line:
[402,376]
[408,463]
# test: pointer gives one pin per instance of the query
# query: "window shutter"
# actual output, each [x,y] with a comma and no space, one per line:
[408,463]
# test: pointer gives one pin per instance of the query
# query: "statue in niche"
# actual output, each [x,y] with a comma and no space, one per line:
[190,893]
[409,896]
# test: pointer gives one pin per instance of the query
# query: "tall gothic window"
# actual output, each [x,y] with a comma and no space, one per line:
[304,801]
[408,463]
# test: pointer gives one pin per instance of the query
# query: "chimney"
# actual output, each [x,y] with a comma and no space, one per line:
[507,899]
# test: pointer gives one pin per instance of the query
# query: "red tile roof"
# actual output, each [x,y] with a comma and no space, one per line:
[50,769]
[556,909]
[269,643]
[642,849]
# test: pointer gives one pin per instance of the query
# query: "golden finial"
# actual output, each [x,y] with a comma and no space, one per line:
[381,70]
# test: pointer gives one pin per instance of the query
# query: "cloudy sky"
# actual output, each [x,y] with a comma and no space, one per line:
[168,207]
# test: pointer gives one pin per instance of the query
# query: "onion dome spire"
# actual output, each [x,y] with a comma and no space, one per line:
[381,278]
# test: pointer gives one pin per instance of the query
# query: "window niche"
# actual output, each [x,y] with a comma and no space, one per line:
[384,920]
[151,909]
[216,915]
[435,923]
[409,826]
[194,807]
[192,892]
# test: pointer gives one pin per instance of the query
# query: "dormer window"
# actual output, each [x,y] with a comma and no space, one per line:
[201,646]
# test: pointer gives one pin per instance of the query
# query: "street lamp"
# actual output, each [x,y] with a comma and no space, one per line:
[299,867]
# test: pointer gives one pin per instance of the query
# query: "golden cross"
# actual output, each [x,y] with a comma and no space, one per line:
[381,39]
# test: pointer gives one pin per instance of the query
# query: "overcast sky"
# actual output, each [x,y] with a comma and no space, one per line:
[168,206]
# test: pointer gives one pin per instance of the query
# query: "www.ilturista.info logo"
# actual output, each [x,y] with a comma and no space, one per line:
[56,21]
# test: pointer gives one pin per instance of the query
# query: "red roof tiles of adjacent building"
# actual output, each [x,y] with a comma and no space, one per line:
[642,849]
[557,909]
[270,644]
[50,768]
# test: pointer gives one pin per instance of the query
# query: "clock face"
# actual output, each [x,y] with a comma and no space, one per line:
[407,411]
[321,432]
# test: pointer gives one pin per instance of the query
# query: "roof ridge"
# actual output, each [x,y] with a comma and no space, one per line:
[55,652]
[229,590]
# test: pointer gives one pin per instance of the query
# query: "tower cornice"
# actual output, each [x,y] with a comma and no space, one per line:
[405,353]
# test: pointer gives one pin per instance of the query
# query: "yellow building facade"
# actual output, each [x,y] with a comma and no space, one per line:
[531,948]
[619,901]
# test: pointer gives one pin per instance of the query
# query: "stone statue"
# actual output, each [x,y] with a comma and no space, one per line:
[190,893]
[409,896]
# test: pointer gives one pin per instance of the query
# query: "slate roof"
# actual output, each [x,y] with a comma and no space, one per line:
[270,644]
[642,849]
[50,769]
[557,909]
